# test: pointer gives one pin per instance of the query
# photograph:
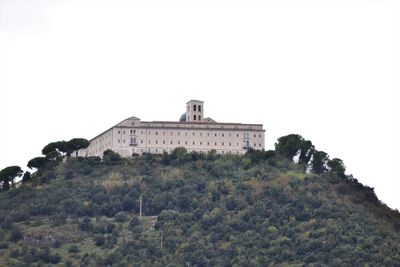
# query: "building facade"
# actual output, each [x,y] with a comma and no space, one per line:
[193,131]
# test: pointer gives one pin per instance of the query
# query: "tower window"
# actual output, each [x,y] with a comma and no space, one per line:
[194,117]
[199,117]
[194,107]
[199,108]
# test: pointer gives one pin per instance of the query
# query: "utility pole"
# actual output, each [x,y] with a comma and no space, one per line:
[161,239]
[140,208]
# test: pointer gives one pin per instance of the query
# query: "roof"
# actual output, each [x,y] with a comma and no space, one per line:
[193,100]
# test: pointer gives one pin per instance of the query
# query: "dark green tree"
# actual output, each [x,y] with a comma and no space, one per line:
[37,162]
[294,144]
[110,157]
[337,166]
[75,145]
[319,162]
[8,175]
[306,151]
[26,177]
[59,146]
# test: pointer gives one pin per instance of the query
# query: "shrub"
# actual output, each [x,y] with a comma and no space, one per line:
[73,249]
[16,234]
[120,217]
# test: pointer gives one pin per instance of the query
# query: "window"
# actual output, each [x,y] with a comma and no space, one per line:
[230,144]
[141,141]
[194,107]
[179,142]
[156,142]
[222,143]
[164,142]
[208,143]
[199,117]
[185,142]
[193,132]
[254,135]
[194,117]
[199,110]
[215,134]
[201,143]
[237,135]
[259,136]
[119,132]
[172,142]
[193,142]
[222,135]
[156,133]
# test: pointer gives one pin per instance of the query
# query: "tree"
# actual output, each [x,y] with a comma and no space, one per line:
[76,144]
[306,151]
[110,157]
[337,166]
[8,175]
[37,162]
[59,146]
[319,162]
[26,177]
[294,144]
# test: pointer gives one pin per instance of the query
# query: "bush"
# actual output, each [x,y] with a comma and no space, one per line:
[120,217]
[69,175]
[16,234]
[99,240]
[86,224]
[134,223]
[7,223]
[73,249]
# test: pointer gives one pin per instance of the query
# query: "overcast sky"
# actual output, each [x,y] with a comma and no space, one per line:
[328,70]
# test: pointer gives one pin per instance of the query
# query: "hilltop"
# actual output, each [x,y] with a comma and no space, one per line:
[258,209]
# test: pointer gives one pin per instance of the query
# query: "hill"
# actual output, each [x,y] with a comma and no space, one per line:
[259,209]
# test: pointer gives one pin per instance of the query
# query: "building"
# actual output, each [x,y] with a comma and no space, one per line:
[193,131]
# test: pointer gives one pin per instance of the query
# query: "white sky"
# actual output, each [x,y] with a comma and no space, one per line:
[328,70]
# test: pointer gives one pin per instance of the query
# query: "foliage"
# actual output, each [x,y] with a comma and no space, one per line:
[8,174]
[257,209]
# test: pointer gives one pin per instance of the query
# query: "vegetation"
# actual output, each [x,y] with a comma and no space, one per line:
[259,209]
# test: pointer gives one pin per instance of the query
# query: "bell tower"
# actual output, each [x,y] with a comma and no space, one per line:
[194,111]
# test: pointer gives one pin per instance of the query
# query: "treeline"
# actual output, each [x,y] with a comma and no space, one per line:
[52,154]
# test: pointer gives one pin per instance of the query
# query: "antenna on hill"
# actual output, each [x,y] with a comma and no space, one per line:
[140,208]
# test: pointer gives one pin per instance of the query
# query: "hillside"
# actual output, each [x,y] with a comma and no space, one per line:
[259,209]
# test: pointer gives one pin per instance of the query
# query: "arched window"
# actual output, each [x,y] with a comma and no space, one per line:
[194,117]
[194,107]
[199,108]
[199,117]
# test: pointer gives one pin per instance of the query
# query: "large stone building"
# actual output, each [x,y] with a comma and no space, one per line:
[193,131]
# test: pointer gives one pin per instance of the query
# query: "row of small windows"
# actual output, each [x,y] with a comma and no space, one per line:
[186,143]
[245,135]
[170,150]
